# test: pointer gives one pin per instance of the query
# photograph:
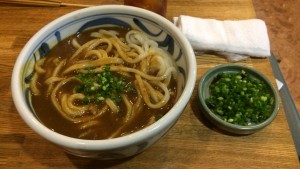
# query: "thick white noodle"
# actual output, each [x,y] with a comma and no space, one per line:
[128,107]
[55,77]
[33,84]
[75,43]
[38,66]
[112,105]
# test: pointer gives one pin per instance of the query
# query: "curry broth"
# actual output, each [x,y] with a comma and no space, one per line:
[110,122]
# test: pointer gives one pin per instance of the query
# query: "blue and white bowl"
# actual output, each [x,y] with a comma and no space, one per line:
[157,27]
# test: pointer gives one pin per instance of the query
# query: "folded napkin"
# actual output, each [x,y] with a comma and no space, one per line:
[235,39]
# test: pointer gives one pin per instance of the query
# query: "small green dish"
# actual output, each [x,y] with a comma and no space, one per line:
[203,94]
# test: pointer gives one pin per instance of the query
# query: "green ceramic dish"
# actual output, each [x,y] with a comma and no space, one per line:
[203,93]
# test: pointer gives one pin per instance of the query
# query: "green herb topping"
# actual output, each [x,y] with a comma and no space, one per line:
[240,99]
[98,86]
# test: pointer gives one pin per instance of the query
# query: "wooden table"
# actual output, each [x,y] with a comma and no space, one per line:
[191,143]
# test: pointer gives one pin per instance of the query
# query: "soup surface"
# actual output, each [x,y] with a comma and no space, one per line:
[103,83]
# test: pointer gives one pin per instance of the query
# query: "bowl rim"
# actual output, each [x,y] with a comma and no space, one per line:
[114,143]
[235,128]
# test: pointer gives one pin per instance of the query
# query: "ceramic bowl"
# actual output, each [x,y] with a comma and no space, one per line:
[204,93]
[157,27]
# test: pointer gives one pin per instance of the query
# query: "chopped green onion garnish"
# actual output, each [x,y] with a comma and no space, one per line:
[240,99]
[98,86]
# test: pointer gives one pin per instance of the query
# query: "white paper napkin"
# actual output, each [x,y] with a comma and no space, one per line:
[236,39]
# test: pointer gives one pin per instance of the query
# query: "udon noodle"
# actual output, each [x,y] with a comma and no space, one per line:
[143,73]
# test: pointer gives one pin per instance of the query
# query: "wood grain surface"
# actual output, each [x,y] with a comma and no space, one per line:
[192,143]
[282,17]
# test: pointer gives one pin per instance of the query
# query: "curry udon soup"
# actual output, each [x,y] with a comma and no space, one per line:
[103,83]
